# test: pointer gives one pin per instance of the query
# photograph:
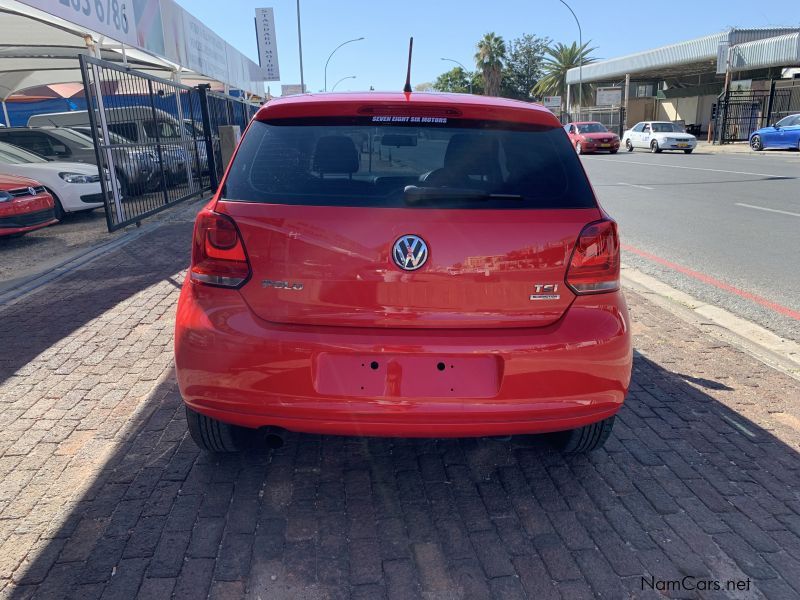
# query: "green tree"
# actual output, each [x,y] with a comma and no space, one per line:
[524,66]
[560,59]
[457,80]
[490,60]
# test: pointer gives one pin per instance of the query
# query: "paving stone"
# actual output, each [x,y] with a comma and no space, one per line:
[102,493]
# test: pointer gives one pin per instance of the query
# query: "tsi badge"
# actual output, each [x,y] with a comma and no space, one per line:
[545,291]
[282,285]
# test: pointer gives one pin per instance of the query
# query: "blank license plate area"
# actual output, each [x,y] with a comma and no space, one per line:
[406,376]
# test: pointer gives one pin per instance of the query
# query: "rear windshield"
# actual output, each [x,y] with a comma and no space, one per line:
[358,162]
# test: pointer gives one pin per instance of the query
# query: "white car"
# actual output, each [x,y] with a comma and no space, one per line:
[74,186]
[657,136]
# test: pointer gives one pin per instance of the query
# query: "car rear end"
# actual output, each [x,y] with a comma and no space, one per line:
[25,206]
[392,265]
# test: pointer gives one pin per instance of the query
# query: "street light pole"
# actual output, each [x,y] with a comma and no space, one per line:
[334,52]
[580,56]
[465,71]
[300,48]
[341,80]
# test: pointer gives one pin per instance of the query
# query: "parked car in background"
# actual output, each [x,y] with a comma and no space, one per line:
[73,186]
[783,134]
[135,168]
[591,136]
[25,205]
[136,124]
[466,284]
[658,136]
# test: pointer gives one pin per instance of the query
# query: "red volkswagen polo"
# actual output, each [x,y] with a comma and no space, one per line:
[416,265]
[24,206]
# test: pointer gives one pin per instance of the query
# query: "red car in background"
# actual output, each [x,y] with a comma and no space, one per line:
[591,136]
[25,205]
[411,265]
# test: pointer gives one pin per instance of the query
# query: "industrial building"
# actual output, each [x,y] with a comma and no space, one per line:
[684,81]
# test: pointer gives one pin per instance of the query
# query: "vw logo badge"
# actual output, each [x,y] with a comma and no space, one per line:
[31,191]
[410,252]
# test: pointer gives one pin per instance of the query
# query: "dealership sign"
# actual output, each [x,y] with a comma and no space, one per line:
[163,28]
[609,96]
[552,102]
[267,46]
[114,19]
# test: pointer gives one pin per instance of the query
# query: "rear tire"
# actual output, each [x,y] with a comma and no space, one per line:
[578,148]
[628,146]
[654,147]
[688,151]
[214,436]
[613,151]
[584,439]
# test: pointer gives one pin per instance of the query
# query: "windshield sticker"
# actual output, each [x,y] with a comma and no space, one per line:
[401,119]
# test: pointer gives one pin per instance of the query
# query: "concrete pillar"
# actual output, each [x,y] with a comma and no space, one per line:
[627,96]
[229,136]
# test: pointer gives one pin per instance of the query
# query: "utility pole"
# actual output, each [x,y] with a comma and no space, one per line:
[580,55]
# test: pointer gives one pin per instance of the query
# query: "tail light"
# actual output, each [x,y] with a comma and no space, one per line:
[218,255]
[594,267]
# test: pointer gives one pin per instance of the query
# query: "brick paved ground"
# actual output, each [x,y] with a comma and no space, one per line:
[103,495]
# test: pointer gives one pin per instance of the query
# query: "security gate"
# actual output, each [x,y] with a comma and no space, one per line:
[156,141]
[739,113]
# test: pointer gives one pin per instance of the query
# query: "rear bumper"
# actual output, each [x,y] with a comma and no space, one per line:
[237,368]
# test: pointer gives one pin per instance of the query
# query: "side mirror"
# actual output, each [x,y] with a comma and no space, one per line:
[775,126]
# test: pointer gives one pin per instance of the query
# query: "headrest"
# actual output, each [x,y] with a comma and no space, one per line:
[472,154]
[336,154]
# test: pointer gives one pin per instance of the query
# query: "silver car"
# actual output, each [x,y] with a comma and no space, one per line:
[135,168]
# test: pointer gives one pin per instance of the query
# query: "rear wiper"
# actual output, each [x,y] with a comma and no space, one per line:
[413,194]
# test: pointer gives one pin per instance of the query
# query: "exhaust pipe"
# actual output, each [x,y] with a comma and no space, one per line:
[273,437]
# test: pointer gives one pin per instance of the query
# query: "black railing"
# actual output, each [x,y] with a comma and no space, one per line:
[156,140]
[740,113]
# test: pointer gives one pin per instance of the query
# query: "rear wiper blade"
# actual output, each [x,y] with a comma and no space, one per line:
[413,194]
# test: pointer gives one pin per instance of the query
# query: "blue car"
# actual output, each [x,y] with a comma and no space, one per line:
[783,134]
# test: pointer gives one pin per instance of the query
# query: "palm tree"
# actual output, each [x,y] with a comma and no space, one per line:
[489,60]
[560,59]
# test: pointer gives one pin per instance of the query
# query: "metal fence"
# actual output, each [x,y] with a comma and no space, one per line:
[157,141]
[612,117]
[739,113]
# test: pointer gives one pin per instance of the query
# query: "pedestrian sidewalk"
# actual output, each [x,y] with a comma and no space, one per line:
[740,148]
[103,495]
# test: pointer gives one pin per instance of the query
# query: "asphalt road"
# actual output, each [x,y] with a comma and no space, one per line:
[708,223]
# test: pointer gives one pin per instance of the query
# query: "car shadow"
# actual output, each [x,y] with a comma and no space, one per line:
[685,487]
[35,322]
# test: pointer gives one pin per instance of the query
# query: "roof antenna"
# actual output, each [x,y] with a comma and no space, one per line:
[407,87]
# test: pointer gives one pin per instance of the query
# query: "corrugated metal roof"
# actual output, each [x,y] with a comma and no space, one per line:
[779,51]
[705,48]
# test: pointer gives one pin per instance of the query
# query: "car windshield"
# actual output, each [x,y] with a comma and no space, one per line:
[356,163]
[14,155]
[75,137]
[666,128]
[161,129]
[191,129]
[115,138]
[788,121]
[592,128]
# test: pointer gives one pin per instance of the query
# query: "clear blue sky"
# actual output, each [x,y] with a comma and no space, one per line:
[451,28]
